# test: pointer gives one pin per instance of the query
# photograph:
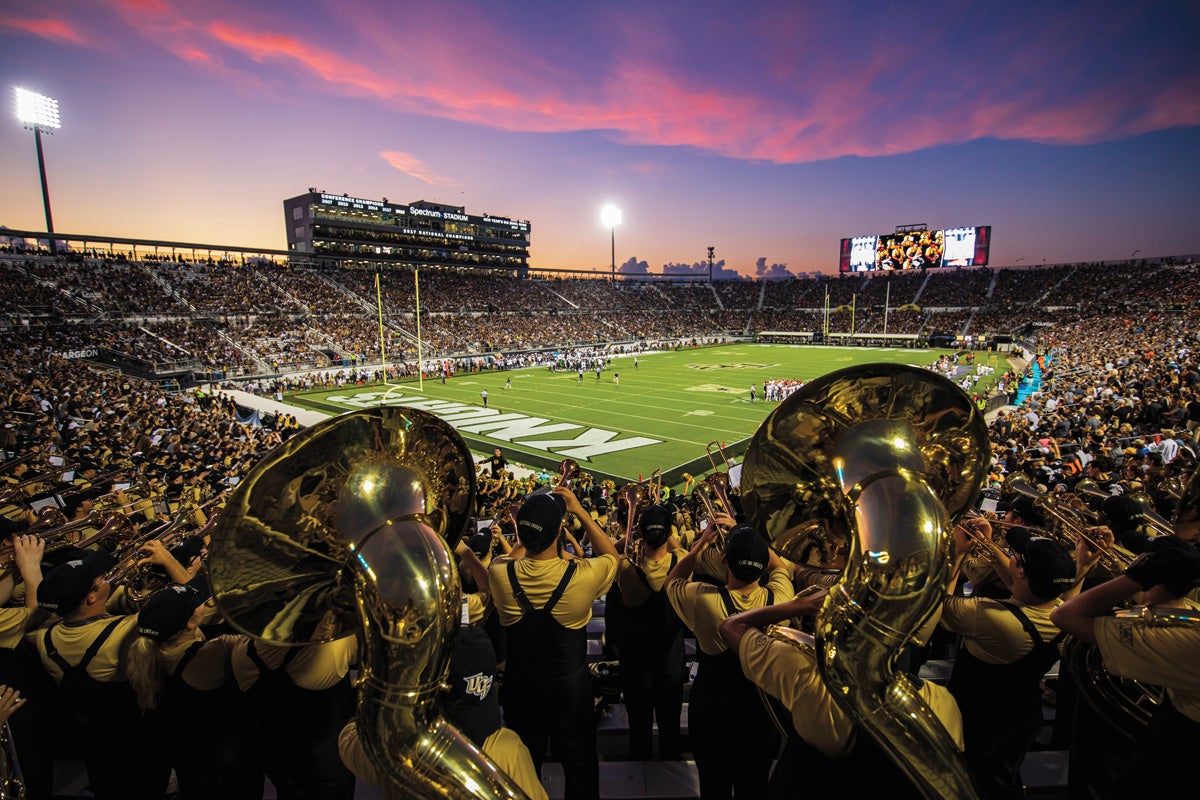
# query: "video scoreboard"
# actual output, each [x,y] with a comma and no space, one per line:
[916,249]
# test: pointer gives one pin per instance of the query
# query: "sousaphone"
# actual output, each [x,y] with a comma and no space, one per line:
[347,528]
[884,457]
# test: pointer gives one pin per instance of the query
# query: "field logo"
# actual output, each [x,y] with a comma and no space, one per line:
[515,428]
[732,365]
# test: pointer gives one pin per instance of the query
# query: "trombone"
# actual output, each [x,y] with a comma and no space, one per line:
[141,579]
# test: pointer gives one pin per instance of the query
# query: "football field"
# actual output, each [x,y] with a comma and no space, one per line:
[663,414]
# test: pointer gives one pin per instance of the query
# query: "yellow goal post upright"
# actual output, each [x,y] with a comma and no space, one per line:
[420,355]
[382,336]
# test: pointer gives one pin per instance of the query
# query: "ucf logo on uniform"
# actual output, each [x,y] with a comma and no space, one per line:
[479,685]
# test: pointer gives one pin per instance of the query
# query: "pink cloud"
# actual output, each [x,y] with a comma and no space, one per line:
[412,166]
[56,29]
[797,110]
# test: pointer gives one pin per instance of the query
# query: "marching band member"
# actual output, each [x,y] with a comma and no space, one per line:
[301,698]
[545,603]
[85,655]
[1007,647]
[206,730]
[652,668]
[1157,654]
[828,753]
[730,762]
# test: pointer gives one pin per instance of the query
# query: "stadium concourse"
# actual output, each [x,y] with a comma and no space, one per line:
[103,425]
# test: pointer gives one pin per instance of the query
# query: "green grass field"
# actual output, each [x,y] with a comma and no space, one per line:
[662,415]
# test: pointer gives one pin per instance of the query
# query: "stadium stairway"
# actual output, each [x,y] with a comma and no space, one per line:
[1029,385]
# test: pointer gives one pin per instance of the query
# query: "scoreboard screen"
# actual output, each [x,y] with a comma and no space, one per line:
[923,249]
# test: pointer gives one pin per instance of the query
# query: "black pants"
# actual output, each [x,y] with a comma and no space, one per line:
[559,715]
[653,691]
[733,743]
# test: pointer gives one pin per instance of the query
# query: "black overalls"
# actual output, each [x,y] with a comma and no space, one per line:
[210,738]
[299,731]
[733,737]
[1001,707]
[547,691]
[1163,758]
[652,674]
[103,716]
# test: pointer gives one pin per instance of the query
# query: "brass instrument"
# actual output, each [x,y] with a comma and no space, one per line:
[509,512]
[48,518]
[61,535]
[1067,524]
[1127,704]
[656,487]
[1150,520]
[706,493]
[568,470]
[346,528]
[12,463]
[12,782]
[1186,520]
[636,496]
[887,456]
[17,491]
[115,531]
[1091,492]
[142,580]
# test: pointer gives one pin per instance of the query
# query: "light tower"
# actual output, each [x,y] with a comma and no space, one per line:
[610,216]
[39,113]
[711,249]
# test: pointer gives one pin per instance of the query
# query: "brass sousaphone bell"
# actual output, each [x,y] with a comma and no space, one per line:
[347,528]
[885,457]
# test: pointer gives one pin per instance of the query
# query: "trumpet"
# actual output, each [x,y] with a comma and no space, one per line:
[509,512]
[568,470]
[711,500]
[636,497]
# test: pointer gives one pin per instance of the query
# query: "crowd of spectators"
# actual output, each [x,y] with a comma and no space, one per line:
[248,318]
[1117,399]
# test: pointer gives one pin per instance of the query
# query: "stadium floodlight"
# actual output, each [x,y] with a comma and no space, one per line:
[39,113]
[610,215]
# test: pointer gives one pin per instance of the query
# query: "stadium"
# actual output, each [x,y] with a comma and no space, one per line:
[371,500]
[250,346]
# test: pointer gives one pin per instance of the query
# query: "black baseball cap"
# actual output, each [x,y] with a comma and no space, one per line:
[746,553]
[64,587]
[655,524]
[167,611]
[472,699]
[1049,566]
[539,519]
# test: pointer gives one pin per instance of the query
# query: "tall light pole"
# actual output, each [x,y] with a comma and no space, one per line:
[39,113]
[710,257]
[610,215]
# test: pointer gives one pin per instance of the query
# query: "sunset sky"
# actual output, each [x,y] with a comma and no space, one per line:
[769,130]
